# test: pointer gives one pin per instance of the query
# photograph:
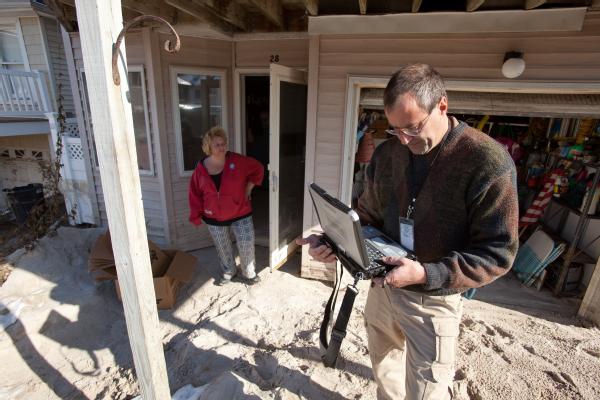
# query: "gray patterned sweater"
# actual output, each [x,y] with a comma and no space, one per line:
[466,214]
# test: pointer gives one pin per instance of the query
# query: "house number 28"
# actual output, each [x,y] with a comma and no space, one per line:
[274,58]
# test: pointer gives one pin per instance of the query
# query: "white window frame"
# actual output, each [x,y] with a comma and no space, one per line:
[19,34]
[174,70]
[87,116]
[89,130]
[140,69]
[88,120]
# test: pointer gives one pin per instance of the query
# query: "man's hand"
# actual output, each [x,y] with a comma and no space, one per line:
[317,250]
[407,272]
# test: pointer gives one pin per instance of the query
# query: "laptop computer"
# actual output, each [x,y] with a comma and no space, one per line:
[360,248]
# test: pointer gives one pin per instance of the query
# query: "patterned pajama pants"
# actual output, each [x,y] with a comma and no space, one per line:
[243,231]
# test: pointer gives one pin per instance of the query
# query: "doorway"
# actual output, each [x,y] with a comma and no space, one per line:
[271,127]
[288,93]
[255,129]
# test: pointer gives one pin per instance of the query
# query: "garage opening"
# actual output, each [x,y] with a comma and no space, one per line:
[545,134]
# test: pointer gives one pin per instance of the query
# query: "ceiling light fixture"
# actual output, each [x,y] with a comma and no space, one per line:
[514,65]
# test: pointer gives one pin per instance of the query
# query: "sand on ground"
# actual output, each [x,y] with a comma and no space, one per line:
[63,336]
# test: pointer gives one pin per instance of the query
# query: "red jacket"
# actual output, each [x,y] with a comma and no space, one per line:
[230,201]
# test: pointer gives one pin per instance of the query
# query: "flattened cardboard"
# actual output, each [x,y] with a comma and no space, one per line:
[108,274]
[182,265]
[159,261]
[101,252]
[180,270]
[102,257]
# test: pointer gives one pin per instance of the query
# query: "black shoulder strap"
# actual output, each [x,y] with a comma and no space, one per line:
[339,329]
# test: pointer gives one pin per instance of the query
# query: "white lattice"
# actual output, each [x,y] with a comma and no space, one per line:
[72,128]
[75,151]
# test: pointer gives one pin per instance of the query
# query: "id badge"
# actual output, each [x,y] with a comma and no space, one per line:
[407,233]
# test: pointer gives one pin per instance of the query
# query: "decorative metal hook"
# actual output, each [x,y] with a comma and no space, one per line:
[115,48]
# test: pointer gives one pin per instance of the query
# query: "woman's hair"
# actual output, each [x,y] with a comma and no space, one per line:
[214,132]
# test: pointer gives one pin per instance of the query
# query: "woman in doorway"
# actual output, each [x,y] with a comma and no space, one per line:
[219,195]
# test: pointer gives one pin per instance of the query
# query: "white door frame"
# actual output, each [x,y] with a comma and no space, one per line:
[239,111]
[356,83]
[174,70]
[293,75]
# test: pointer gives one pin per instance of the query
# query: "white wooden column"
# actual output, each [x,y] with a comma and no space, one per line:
[100,22]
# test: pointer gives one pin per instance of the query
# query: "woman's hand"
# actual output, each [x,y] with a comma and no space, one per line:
[249,188]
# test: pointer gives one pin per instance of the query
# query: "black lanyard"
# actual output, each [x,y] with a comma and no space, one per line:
[412,181]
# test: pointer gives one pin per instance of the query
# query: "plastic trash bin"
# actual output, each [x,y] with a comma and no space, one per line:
[22,199]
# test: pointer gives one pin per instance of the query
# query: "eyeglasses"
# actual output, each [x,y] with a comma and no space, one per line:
[413,131]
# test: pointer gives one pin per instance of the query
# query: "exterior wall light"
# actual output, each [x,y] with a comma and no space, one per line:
[514,65]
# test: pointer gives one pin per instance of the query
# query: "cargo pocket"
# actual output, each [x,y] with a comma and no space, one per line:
[446,333]
[442,368]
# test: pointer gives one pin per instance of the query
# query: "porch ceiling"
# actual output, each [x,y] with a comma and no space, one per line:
[245,16]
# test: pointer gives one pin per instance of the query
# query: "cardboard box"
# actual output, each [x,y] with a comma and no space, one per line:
[180,270]
[101,263]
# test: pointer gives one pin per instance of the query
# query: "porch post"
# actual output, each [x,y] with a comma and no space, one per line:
[100,22]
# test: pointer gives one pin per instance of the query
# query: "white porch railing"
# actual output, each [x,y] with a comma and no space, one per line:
[23,94]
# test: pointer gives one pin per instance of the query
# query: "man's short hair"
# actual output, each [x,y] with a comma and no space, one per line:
[210,135]
[423,82]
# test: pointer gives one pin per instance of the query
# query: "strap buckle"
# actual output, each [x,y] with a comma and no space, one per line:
[337,335]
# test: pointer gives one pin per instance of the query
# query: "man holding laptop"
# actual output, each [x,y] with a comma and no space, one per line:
[447,193]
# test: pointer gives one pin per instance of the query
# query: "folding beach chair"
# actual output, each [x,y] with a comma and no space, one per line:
[535,255]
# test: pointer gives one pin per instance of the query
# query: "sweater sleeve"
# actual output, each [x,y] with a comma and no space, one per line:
[256,171]
[195,199]
[493,239]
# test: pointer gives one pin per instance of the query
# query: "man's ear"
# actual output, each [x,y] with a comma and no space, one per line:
[443,105]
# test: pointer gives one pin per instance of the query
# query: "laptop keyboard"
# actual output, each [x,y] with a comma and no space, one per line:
[373,254]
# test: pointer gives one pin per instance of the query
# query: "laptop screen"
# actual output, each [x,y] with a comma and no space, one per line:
[338,223]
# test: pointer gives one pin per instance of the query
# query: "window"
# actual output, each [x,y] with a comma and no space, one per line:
[87,115]
[139,110]
[198,97]
[10,51]
[141,125]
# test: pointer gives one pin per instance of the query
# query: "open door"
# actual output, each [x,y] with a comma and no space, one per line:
[287,149]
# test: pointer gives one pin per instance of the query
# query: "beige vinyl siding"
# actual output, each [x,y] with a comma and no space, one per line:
[194,53]
[257,53]
[151,188]
[58,62]
[33,142]
[34,45]
[551,56]
[14,3]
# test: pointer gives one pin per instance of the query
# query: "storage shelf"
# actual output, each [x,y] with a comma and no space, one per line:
[580,256]
[576,211]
